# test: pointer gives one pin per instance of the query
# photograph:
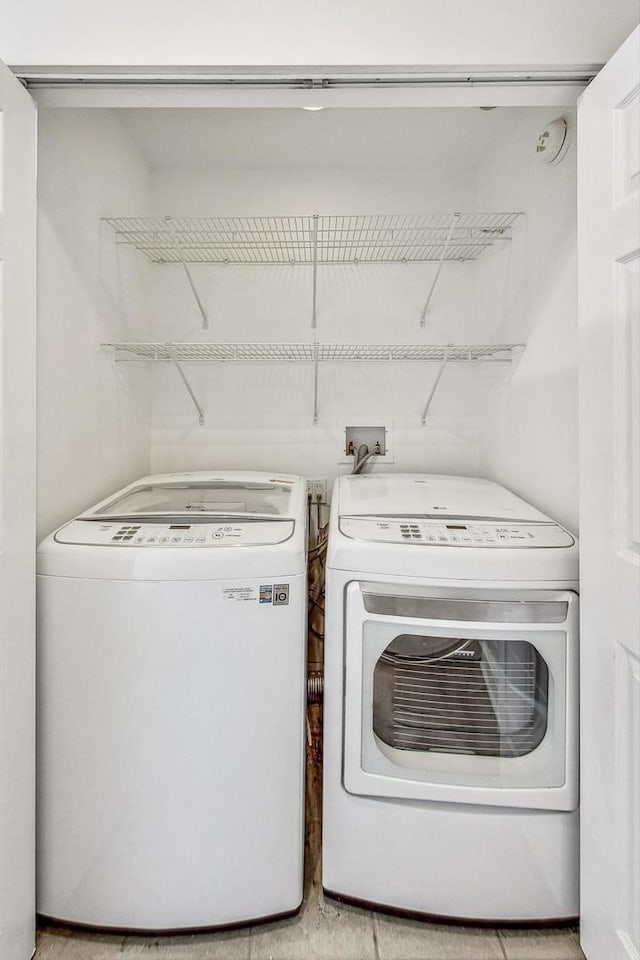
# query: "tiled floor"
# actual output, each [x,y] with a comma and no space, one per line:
[323,930]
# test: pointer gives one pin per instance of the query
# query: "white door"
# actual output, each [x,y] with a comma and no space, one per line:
[17,515]
[609,288]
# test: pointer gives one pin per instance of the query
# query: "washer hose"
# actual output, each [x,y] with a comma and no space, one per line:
[315,687]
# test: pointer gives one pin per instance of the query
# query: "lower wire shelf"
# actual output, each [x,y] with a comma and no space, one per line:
[315,353]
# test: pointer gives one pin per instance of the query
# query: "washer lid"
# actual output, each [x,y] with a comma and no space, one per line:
[431,496]
[211,497]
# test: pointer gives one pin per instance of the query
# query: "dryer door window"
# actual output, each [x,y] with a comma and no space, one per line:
[480,708]
[477,697]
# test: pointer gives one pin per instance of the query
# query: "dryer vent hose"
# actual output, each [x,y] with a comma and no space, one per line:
[315,687]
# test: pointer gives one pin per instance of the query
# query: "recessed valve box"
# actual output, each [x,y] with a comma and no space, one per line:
[375,438]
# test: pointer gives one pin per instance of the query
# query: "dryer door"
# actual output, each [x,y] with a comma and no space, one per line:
[463,699]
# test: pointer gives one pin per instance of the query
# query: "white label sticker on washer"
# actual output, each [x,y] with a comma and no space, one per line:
[266,593]
[239,593]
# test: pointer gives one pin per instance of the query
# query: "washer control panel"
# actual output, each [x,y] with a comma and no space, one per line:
[130,533]
[455,533]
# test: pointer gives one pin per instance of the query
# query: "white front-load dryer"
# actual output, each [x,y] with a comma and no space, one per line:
[451,701]
[171,705]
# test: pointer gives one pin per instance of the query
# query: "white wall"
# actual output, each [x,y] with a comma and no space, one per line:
[93,422]
[93,414]
[333,32]
[260,416]
[521,432]
[530,441]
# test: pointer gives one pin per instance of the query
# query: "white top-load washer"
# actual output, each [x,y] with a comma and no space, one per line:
[171,698]
[451,701]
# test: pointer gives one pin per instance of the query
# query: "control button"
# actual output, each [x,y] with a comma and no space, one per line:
[442,539]
[176,539]
[406,536]
[227,529]
[218,535]
[201,539]
[164,540]
[117,537]
[129,536]
[454,539]
[417,536]
[151,540]
[139,539]
[188,539]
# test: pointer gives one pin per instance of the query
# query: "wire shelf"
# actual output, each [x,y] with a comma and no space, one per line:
[375,352]
[374,238]
[315,353]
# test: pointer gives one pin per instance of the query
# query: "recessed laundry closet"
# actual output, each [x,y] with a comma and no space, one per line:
[230,299]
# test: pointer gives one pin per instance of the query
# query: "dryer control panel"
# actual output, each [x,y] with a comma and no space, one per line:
[138,533]
[455,533]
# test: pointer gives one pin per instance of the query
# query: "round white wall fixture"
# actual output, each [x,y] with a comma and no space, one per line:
[553,142]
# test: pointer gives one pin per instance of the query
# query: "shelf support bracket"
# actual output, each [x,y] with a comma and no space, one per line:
[315,383]
[423,315]
[183,375]
[434,387]
[314,313]
[189,276]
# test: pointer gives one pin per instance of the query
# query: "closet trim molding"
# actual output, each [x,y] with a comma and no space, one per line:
[339,86]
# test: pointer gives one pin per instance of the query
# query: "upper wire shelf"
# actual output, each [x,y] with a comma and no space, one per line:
[374,238]
[312,351]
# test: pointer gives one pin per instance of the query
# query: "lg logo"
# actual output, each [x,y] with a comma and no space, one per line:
[280,594]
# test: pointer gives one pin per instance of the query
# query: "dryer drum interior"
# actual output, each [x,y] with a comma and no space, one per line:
[479,697]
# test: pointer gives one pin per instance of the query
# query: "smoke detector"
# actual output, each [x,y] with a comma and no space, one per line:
[553,142]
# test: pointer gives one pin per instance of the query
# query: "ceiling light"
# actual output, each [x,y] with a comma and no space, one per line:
[313,108]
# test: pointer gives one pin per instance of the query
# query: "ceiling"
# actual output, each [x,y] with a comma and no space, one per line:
[406,137]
